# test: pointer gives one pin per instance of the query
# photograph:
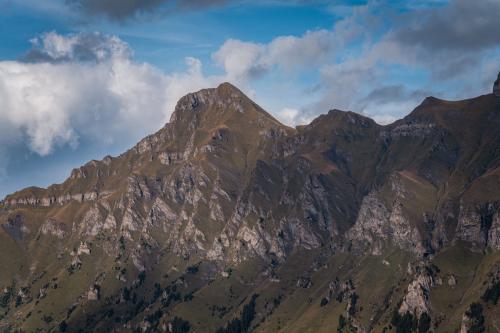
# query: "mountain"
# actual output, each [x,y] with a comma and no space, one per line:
[226,220]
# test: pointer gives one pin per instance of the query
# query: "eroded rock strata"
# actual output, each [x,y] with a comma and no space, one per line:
[226,215]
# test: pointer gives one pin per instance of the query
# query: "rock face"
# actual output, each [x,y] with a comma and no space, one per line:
[496,86]
[94,293]
[480,225]
[416,300]
[224,185]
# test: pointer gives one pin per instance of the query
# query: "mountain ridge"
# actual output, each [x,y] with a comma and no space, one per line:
[225,203]
[228,88]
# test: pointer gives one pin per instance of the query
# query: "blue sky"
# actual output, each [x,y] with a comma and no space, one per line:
[80,79]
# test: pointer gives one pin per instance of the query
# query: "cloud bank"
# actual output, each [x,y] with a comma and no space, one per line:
[86,86]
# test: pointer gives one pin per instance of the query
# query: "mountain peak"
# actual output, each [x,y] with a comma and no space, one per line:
[217,104]
[226,201]
[228,87]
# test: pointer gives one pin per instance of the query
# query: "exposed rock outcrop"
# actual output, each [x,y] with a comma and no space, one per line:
[226,191]
[54,228]
[93,294]
[480,225]
[378,225]
[416,299]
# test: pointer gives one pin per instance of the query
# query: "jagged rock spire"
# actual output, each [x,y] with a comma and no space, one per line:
[496,86]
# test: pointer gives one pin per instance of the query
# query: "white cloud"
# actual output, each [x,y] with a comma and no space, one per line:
[288,116]
[291,52]
[240,60]
[57,103]
[243,61]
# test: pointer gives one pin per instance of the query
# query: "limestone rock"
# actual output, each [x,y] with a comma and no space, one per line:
[480,225]
[224,184]
[93,294]
[54,228]
[466,323]
[304,282]
[452,281]
[416,300]
[376,225]
[83,249]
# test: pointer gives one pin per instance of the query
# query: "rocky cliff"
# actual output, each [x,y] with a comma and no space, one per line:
[225,202]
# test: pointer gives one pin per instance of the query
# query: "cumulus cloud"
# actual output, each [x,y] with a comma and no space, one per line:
[244,61]
[63,99]
[291,52]
[241,60]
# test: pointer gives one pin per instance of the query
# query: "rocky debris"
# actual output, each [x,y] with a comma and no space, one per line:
[416,299]
[43,292]
[83,248]
[340,291]
[76,263]
[452,281]
[304,282]
[23,295]
[53,228]
[93,294]
[496,86]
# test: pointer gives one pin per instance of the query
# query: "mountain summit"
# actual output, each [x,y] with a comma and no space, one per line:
[226,220]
